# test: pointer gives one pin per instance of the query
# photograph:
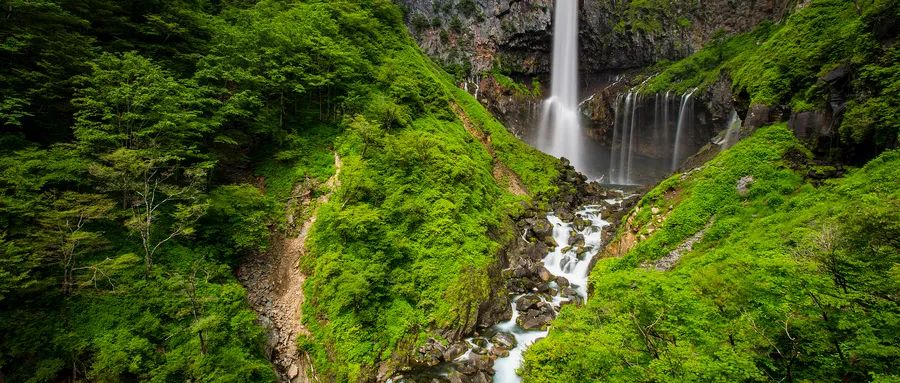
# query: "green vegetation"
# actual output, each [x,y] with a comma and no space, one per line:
[404,244]
[782,64]
[519,89]
[789,282]
[147,147]
[649,16]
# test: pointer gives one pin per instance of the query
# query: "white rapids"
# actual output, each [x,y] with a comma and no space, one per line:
[561,264]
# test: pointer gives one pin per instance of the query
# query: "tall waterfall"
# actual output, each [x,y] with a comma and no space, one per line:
[559,132]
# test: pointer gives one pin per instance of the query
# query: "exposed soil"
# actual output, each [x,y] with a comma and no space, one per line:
[275,284]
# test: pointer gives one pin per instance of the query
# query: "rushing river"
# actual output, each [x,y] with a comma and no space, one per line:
[566,264]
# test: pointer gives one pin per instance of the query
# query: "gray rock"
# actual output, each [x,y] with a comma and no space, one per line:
[526,302]
[542,227]
[499,352]
[536,318]
[576,239]
[504,340]
[455,350]
[743,185]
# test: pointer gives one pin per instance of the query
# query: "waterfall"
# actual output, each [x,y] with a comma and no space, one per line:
[733,132]
[685,118]
[650,134]
[559,132]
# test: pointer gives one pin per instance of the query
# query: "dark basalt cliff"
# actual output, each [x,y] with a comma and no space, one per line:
[476,36]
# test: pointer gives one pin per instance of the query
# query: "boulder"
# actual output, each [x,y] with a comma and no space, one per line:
[527,301]
[562,282]
[455,350]
[429,354]
[482,362]
[504,340]
[576,239]
[499,352]
[541,228]
[544,274]
[536,251]
[743,185]
[537,318]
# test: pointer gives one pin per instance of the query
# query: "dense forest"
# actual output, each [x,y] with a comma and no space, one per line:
[148,146]
[151,148]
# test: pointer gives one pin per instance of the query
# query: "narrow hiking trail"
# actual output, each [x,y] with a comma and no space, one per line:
[275,284]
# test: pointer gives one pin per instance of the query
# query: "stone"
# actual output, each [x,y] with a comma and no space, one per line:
[536,251]
[743,185]
[481,377]
[536,318]
[455,350]
[466,367]
[549,241]
[576,239]
[504,340]
[654,210]
[544,274]
[568,292]
[565,215]
[542,228]
[562,282]
[581,223]
[499,352]
[527,301]
[482,362]
[293,371]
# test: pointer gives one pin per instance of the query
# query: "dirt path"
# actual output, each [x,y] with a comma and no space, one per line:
[502,173]
[275,285]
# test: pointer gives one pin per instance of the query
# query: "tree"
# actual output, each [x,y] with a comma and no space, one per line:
[371,134]
[65,233]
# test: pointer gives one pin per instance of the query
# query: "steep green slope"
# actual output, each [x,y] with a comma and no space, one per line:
[786,280]
[155,145]
[404,246]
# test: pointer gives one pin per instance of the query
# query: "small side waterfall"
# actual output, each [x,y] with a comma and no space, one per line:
[733,132]
[559,131]
[685,117]
[648,129]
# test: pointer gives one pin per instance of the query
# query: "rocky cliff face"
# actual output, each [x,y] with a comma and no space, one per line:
[475,36]
[471,38]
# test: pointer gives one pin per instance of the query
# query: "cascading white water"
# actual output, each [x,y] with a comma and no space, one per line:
[561,264]
[559,132]
[685,118]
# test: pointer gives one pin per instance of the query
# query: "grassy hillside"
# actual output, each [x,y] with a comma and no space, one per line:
[789,280]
